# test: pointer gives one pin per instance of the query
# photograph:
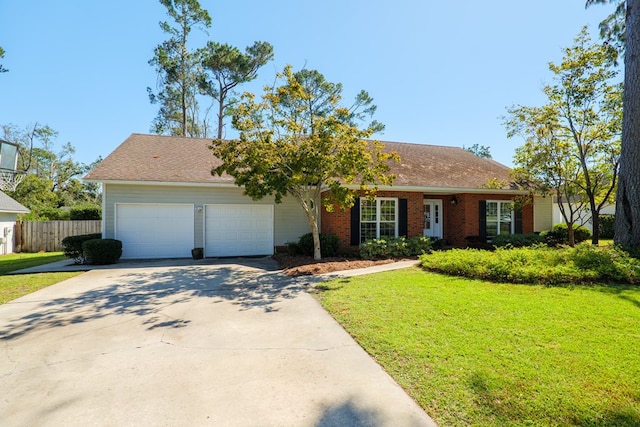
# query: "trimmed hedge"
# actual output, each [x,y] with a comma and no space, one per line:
[400,247]
[559,235]
[517,240]
[540,264]
[85,212]
[72,246]
[329,245]
[102,251]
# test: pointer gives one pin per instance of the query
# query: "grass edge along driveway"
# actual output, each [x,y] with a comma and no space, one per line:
[13,286]
[472,352]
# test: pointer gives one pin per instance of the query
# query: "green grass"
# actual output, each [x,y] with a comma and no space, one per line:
[14,262]
[15,286]
[478,353]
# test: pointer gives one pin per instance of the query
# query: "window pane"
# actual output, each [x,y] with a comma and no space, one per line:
[505,211]
[427,217]
[387,229]
[387,210]
[505,227]
[492,211]
[367,231]
[367,210]
[492,228]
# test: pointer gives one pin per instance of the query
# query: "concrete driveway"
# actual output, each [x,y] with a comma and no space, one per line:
[235,344]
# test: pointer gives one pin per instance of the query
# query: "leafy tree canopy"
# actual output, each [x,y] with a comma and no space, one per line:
[479,150]
[300,140]
[572,143]
[53,177]
[226,67]
[2,69]
[178,70]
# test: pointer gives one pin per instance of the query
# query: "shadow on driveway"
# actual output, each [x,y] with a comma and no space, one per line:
[145,291]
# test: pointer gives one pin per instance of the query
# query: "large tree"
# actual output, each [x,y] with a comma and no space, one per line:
[178,70]
[300,140]
[52,177]
[623,25]
[573,141]
[226,67]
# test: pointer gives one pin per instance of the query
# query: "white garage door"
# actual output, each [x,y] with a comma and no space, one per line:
[155,230]
[238,230]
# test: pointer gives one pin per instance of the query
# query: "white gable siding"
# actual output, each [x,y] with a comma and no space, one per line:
[542,213]
[7,223]
[290,221]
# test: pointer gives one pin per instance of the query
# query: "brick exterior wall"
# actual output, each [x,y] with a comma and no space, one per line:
[458,221]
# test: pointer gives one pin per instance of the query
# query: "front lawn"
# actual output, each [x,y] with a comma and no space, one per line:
[472,352]
[15,286]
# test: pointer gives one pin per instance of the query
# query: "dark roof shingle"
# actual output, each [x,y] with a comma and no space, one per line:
[168,159]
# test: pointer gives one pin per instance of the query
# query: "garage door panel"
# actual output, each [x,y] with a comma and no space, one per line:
[237,230]
[155,230]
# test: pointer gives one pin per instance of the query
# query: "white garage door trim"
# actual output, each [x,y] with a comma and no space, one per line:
[155,230]
[238,230]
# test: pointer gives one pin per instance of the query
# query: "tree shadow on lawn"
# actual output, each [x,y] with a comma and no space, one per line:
[150,291]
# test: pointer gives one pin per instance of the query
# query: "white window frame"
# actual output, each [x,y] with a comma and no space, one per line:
[512,219]
[378,221]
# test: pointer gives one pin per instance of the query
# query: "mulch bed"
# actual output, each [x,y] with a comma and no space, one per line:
[300,265]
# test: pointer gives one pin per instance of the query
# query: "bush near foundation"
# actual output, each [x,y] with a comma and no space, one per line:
[559,235]
[72,246]
[102,251]
[516,240]
[329,245]
[400,247]
[583,264]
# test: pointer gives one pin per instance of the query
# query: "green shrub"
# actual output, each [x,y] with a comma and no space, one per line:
[85,212]
[329,244]
[606,226]
[517,240]
[51,214]
[72,246]
[102,251]
[559,235]
[538,264]
[400,247]
[477,242]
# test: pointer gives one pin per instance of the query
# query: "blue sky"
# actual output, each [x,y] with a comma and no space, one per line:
[440,72]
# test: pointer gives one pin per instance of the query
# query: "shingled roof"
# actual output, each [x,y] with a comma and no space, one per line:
[169,159]
[8,204]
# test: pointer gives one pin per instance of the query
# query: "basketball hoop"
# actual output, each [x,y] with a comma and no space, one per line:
[9,179]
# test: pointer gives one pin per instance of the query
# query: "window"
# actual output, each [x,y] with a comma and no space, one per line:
[499,218]
[378,218]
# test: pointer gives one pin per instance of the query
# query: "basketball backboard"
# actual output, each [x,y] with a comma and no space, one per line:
[10,177]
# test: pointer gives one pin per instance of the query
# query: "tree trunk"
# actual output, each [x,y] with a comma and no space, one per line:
[571,235]
[627,223]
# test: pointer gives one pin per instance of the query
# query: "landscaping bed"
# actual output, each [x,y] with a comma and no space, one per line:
[301,265]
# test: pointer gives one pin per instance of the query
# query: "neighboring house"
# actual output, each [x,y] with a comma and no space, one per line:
[161,200]
[584,216]
[9,211]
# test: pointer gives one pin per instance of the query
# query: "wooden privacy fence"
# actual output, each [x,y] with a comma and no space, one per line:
[36,236]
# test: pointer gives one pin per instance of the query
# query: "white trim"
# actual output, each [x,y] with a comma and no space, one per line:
[378,222]
[410,189]
[165,183]
[440,216]
[513,218]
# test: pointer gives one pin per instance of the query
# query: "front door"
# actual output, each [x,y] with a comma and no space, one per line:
[432,218]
